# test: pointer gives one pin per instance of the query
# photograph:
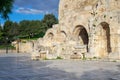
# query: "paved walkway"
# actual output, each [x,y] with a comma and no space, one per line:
[20,67]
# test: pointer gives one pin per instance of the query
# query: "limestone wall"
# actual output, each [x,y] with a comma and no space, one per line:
[91,23]
[26,47]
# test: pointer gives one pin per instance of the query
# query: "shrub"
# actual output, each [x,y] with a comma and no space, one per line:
[58,57]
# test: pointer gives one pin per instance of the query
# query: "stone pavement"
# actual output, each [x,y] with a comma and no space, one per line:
[20,67]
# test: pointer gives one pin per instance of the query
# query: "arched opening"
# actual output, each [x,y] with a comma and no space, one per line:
[50,36]
[81,35]
[63,35]
[103,41]
[106,29]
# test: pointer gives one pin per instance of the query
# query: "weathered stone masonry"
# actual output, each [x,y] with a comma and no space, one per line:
[86,27]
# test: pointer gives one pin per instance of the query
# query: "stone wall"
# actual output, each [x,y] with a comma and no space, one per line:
[24,46]
[91,23]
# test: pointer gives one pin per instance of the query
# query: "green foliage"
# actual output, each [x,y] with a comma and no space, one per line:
[84,58]
[46,58]
[26,29]
[94,57]
[35,28]
[5,8]
[30,28]
[114,61]
[58,57]
[104,16]
[9,46]
[10,30]
[49,20]
[1,33]
[63,49]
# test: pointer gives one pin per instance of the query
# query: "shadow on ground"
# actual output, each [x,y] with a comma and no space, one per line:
[102,74]
[22,68]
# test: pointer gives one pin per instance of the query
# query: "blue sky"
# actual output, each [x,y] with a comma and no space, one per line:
[32,9]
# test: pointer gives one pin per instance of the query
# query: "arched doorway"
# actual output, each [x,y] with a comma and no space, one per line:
[103,39]
[81,35]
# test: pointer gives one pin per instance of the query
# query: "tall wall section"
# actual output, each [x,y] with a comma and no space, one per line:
[95,23]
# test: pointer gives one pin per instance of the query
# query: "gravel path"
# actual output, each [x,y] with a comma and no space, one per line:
[20,67]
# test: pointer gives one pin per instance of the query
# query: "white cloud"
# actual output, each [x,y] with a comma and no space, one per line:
[29,11]
[1,24]
[38,6]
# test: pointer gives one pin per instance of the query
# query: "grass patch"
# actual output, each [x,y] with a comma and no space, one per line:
[94,57]
[84,58]
[7,46]
[46,58]
[58,57]
[114,61]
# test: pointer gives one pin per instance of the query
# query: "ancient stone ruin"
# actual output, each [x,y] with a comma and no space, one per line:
[87,28]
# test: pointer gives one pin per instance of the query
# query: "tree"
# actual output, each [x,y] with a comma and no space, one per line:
[27,28]
[7,26]
[11,30]
[49,20]
[30,28]
[5,8]
[14,30]
[1,33]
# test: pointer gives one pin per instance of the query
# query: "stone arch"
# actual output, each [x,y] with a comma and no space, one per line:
[103,39]
[81,35]
[63,33]
[63,36]
[49,32]
[50,36]
[80,32]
